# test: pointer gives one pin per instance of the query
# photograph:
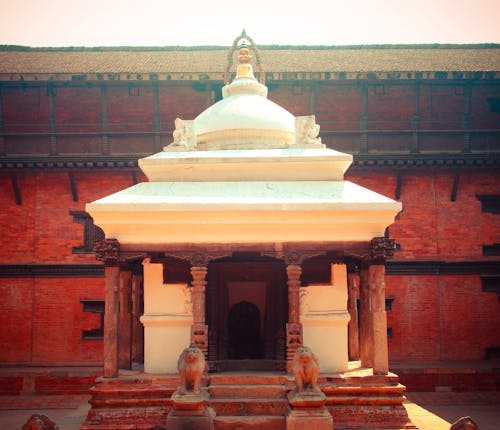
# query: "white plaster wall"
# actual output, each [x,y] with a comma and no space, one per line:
[324,318]
[167,320]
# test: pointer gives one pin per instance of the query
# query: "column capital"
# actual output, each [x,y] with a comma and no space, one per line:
[108,251]
[199,274]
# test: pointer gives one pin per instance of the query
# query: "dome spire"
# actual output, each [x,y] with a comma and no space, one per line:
[243,43]
[244,69]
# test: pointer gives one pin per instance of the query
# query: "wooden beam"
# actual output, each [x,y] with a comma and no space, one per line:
[16,189]
[72,184]
[399,182]
[454,188]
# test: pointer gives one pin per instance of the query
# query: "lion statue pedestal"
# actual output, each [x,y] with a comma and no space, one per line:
[190,408]
[307,402]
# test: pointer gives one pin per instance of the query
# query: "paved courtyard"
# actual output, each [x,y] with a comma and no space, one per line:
[429,411]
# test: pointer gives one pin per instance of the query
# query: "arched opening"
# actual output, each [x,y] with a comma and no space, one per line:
[244,340]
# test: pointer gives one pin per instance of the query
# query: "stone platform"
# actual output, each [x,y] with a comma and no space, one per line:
[356,399]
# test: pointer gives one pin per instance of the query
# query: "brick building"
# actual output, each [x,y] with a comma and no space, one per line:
[422,122]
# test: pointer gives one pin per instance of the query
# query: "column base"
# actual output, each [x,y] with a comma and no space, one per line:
[190,411]
[307,411]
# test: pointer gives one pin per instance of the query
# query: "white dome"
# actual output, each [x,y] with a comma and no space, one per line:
[244,118]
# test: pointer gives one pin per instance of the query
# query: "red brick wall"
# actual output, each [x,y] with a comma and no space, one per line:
[42,319]
[439,317]
[390,107]
[433,317]
[431,226]
[77,108]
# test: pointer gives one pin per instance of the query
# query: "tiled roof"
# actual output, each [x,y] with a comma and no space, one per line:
[274,60]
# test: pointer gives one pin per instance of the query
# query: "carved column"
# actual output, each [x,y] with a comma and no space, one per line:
[415,123]
[137,327]
[51,92]
[2,127]
[156,116]
[294,327]
[365,319]
[381,249]
[199,330]
[125,320]
[379,319]
[104,120]
[363,121]
[467,117]
[108,251]
[352,328]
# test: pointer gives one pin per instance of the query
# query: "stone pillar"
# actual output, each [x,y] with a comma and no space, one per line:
[379,319]
[125,320]
[294,327]
[365,319]
[137,328]
[199,330]
[108,251]
[353,328]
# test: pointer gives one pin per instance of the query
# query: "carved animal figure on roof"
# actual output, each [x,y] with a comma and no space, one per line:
[305,369]
[191,365]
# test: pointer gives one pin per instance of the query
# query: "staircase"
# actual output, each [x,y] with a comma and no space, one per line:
[254,400]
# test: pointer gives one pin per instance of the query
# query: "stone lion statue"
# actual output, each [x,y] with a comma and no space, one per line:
[305,369]
[39,422]
[191,365]
[184,136]
[464,423]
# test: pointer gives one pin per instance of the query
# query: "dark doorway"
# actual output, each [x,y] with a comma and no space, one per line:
[244,331]
[246,313]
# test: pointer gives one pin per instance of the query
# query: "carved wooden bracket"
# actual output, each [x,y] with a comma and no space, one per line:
[382,248]
[108,251]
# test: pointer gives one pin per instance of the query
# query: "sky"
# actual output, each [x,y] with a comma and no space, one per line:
[268,22]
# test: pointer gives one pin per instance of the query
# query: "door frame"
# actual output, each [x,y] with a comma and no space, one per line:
[220,274]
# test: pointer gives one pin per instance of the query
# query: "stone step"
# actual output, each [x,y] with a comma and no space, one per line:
[247,391]
[254,378]
[248,406]
[263,422]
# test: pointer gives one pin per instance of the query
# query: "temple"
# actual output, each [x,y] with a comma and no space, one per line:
[247,242]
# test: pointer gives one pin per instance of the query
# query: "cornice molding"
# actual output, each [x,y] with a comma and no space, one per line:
[51,270]
[401,267]
[418,160]
[436,267]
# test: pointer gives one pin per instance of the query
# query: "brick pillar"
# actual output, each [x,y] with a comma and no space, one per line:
[125,320]
[365,319]
[352,328]
[137,327]
[199,330]
[293,328]
[379,319]
[108,251]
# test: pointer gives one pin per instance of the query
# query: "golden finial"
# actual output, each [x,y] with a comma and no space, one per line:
[244,70]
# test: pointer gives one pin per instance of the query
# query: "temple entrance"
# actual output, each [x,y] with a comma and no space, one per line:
[245,338]
[246,313]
